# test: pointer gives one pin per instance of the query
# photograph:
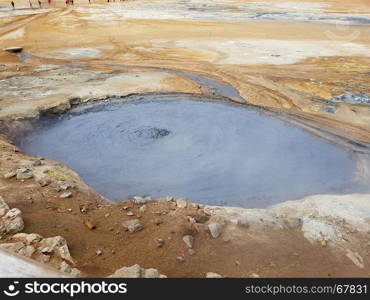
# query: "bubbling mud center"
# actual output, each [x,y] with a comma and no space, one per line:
[182,145]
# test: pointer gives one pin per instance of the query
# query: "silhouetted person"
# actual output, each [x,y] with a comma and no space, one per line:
[13,5]
[39,3]
[30,3]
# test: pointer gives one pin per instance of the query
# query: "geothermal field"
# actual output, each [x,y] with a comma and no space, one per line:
[185,138]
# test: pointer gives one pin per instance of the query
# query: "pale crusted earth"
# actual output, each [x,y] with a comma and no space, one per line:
[308,60]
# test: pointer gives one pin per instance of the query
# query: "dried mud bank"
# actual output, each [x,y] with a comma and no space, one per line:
[50,215]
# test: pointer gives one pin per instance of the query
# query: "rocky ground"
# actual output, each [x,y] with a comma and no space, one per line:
[310,71]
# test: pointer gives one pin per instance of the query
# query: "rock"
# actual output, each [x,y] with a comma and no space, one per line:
[58,245]
[130,213]
[134,271]
[213,275]
[182,202]
[65,186]
[188,240]
[200,218]
[89,224]
[65,268]
[13,49]
[13,213]
[254,275]
[47,250]
[36,163]
[139,200]
[151,273]
[191,252]
[132,225]
[44,258]
[159,242]
[66,195]
[214,229]
[28,238]
[355,258]
[10,174]
[99,252]
[14,247]
[4,208]
[12,222]
[143,208]
[75,272]
[180,258]
[27,251]
[24,173]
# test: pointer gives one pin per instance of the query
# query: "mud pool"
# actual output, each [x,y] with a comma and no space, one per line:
[212,152]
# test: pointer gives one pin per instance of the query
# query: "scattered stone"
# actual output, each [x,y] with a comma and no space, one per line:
[180,258]
[191,219]
[64,267]
[134,271]
[12,221]
[182,202]
[107,215]
[99,252]
[143,208]
[188,240]
[4,208]
[355,258]
[214,229]
[65,186]
[151,273]
[24,173]
[10,175]
[36,163]
[139,200]
[132,225]
[47,250]
[191,252]
[254,275]
[28,238]
[130,213]
[66,195]
[89,224]
[159,242]
[213,275]
[44,183]
[200,218]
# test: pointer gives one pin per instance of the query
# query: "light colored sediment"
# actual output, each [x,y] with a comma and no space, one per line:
[80,54]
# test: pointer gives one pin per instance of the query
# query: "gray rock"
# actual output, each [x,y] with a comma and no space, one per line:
[159,242]
[188,240]
[134,271]
[182,202]
[143,208]
[24,173]
[213,275]
[191,252]
[65,268]
[4,208]
[14,247]
[139,200]
[10,174]
[132,225]
[180,258]
[27,251]
[214,229]
[151,273]
[28,238]
[66,195]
